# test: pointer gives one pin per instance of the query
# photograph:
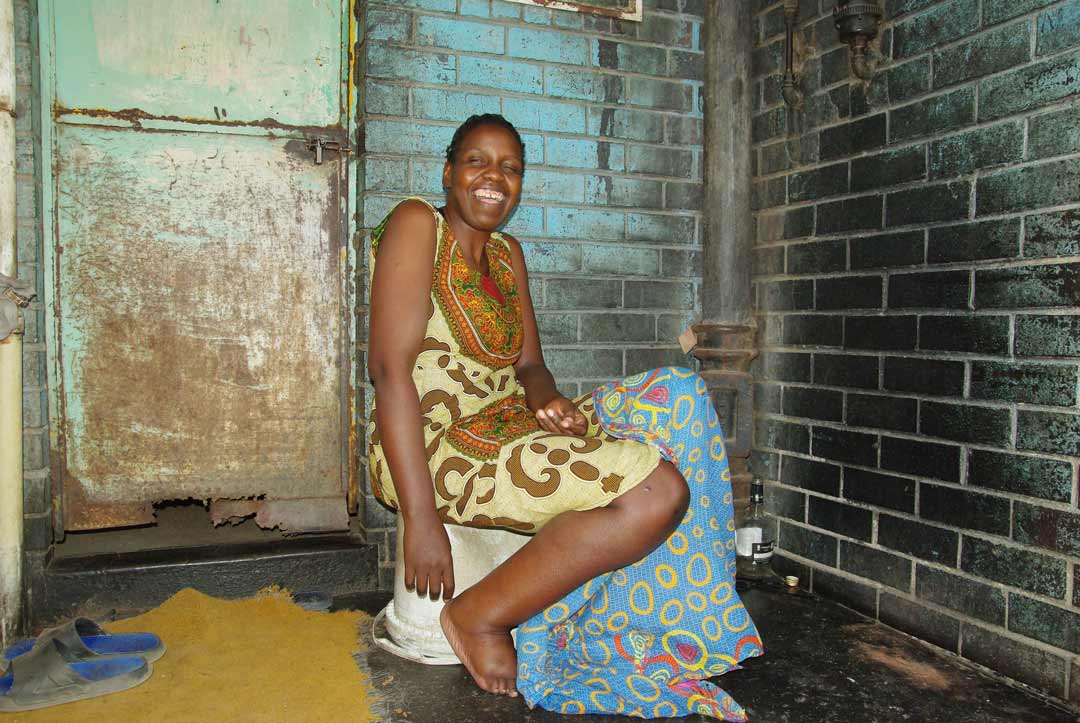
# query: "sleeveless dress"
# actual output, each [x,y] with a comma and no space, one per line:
[647,640]
[491,463]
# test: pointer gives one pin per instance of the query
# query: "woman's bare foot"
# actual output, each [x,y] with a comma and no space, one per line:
[489,656]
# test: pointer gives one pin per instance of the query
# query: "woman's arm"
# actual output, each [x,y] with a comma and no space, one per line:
[554,412]
[400,300]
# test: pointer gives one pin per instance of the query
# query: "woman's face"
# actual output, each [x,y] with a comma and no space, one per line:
[483,181]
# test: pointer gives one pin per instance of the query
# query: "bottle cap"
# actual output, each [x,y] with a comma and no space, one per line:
[791,581]
[757,491]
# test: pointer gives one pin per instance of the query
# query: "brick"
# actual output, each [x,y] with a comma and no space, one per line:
[630,124]
[573,294]
[1046,184]
[577,153]
[784,366]
[557,328]
[545,115]
[549,186]
[552,258]
[767,261]
[846,591]
[685,130]
[1025,663]
[787,295]
[683,196]
[624,260]
[840,518]
[1048,528]
[845,446]
[978,334]
[666,30]
[1050,384]
[502,74]
[384,25]
[618,191]
[980,241]
[629,57]
[870,410]
[571,363]
[669,326]
[1054,134]
[817,257]
[438,104]
[835,64]
[37,532]
[418,66]
[1028,286]
[571,223]
[787,224]
[849,292]
[942,24]
[852,138]
[680,263]
[927,459]
[526,221]
[639,360]
[923,376]
[767,398]
[446,6]
[890,333]
[1048,336]
[899,83]
[459,34]
[551,46]
[807,543]
[788,153]
[1029,86]
[384,174]
[813,403]
[888,169]
[925,624]
[928,204]
[989,52]
[659,295]
[1029,571]
[942,289]
[994,11]
[1052,234]
[686,65]
[1049,432]
[659,161]
[659,94]
[878,565]
[818,183]
[919,540]
[768,193]
[846,370]
[961,508]
[1050,624]
[828,107]
[655,228]
[960,594]
[905,248]
[618,327]
[786,503]
[849,214]
[539,16]
[768,125]
[407,137]
[980,148]
[934,115]
[813,330]
[767,59]
[782,435]
[1033,476]
[764,464]
[965,423]
[811,475]
[1059,28]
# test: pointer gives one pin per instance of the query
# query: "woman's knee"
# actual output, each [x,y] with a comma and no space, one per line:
[663,495]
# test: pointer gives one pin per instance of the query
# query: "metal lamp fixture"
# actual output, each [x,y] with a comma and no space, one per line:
[857,24]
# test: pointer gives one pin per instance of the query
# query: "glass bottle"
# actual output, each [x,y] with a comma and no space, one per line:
[754,539]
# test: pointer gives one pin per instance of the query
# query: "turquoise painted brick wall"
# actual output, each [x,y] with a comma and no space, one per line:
[610,113]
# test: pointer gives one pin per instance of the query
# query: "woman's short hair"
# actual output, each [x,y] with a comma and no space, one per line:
[475,121]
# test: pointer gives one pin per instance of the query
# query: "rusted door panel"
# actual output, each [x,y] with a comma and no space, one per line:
[198,289]
[200,305]
[234,61]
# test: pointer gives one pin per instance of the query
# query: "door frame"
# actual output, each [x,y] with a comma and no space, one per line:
[51,113]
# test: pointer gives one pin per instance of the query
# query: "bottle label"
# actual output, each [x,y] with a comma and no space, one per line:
[762,551]
[746,539]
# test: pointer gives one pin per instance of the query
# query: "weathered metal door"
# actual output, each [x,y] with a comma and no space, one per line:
[197,199]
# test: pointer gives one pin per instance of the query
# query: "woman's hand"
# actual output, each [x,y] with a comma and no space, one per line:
[560,416]
[429,566]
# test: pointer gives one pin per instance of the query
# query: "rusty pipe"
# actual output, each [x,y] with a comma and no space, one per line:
[791,93]
[11,472]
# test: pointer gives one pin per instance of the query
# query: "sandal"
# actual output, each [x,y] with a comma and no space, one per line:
[83,639]
[42,677]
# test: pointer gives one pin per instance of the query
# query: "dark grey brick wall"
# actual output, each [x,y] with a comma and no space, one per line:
[610,113]
[916,273]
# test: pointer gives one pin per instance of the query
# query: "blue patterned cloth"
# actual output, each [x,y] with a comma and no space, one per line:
[640,641]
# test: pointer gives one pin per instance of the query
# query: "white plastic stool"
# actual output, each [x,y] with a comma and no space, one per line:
[413,621]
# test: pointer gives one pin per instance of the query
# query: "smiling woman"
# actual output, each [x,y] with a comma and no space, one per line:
[468,428]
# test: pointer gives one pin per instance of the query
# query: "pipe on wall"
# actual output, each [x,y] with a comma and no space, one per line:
[11,472]
[728,237]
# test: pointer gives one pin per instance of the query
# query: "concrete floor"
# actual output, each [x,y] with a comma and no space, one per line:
[822,663]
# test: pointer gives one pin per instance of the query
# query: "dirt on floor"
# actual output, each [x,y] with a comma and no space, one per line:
[259,659]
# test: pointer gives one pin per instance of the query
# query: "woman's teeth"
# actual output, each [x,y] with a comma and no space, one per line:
[485,195]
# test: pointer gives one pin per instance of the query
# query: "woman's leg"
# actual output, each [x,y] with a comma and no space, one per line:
[568,551]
